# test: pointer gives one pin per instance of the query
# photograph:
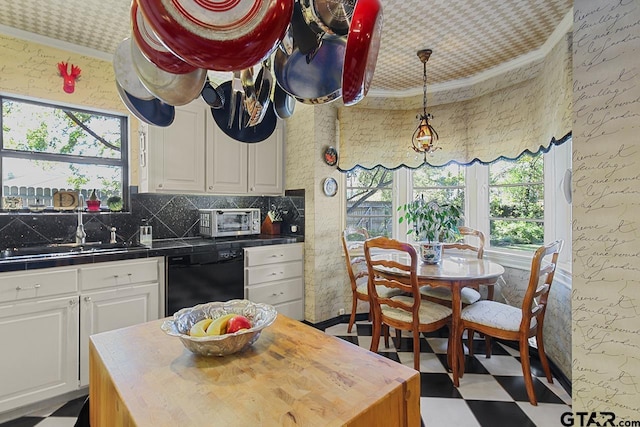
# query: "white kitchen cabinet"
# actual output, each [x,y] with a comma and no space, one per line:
[194,155]
[47,315]
[274,275]
[114,295]
[241,168]
[172,157]
[39,356]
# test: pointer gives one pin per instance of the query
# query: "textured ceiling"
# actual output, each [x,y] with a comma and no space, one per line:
[467,36]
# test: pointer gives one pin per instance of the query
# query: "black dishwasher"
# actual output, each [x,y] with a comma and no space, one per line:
[196,278]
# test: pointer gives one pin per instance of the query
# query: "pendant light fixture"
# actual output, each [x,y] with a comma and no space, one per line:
[425,137]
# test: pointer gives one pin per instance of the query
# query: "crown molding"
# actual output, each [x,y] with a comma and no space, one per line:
[523,60]
[58,44]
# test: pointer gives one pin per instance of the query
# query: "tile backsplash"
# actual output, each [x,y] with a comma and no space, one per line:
[170,215]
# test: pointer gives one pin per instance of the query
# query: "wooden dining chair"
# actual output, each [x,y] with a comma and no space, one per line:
[506,322]
[353,239]
[468,295]
[408,311]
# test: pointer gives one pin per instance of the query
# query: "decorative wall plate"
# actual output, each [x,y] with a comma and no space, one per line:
[330,187]
[65,200]
[330,156]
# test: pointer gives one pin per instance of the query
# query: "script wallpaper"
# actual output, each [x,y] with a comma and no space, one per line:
[606,159]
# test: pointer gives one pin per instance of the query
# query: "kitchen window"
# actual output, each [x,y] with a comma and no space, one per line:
[505,200]
[46,148]
[369,200]
[516,203]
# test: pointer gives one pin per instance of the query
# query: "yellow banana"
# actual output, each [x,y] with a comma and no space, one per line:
[199,329]
[219,325]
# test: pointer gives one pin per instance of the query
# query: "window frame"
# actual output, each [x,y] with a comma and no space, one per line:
[557,214]
[122,162]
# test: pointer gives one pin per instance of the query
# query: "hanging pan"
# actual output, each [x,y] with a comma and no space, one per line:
[361,53]
[329,16]
[125,72]
[315,82]
[153,111]
[250,134]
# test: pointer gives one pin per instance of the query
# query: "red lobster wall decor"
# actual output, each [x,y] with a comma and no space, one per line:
[69,78]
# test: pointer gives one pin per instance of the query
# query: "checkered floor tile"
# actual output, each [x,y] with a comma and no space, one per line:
[491,393]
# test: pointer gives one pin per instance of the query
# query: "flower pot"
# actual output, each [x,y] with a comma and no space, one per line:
[430,253]
[93,205]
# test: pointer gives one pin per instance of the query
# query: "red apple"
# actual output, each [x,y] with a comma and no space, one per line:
[237,323]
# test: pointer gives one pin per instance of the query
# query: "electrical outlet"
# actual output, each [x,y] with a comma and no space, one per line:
[341,311]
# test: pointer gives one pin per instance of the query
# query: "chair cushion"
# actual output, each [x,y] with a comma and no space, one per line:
[383,291]
[359,267]
[495,314]
[467,295]
[429,312]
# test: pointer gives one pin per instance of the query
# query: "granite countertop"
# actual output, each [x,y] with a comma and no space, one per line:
[32,258]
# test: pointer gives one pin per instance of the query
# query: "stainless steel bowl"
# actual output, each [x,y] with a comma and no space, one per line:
[260,315]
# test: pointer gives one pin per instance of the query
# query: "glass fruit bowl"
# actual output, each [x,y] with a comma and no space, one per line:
[260,315]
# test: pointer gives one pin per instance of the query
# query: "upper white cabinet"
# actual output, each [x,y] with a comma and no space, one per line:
[194,155]
[172,158]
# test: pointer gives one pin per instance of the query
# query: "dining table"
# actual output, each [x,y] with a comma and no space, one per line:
[454,272]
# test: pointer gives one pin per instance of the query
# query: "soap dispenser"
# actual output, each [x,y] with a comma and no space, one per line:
[146,234]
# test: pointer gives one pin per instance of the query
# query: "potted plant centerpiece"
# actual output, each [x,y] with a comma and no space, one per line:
[431,224]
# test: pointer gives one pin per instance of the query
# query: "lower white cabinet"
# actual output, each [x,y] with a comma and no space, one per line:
[47,316]
[274,275]
[111,309]
[39,356]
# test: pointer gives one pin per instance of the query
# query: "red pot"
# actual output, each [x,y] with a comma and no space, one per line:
[222,35]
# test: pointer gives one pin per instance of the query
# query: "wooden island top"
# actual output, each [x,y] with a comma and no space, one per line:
[294,375]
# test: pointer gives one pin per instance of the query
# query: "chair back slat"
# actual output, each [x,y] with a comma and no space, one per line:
[383,247]
[543,267]
[464,246]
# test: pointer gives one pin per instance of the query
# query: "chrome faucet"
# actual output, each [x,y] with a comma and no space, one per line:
[80,233]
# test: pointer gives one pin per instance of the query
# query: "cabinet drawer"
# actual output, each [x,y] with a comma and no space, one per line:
[43,283]
[274,254]
[277,292]
[120,273]
[270,273]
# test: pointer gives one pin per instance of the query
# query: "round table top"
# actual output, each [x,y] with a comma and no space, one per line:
[449,268]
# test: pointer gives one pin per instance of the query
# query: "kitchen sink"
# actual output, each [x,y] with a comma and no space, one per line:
[63,249]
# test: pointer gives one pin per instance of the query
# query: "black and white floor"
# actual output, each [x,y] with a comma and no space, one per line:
[491,393]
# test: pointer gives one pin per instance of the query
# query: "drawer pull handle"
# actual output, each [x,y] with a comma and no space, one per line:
[275,274]
[275,295]
[73,302]
[277,255]
[20,288]
[87,299]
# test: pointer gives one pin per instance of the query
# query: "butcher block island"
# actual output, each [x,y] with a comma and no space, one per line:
[294,375]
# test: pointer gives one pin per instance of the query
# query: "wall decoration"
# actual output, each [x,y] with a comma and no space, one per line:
[330,187]
[69,78]
[330,156]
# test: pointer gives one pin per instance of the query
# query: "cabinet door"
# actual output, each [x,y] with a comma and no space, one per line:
[39,356]
[176,153]
[226,162]
[266,164]
[111,309]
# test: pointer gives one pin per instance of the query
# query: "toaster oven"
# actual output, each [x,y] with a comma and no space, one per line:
[229,222]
